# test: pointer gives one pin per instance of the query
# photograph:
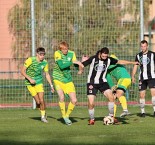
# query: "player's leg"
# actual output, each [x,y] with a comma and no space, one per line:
[109,95]
[42,107]
[40,92]
[142,102]
[115,106]
[111,105]
[59,88]
[115,109]
[142,92]
[70,90]
[151,84]
[123,84]
[153,99]
[91,111]
[91,94]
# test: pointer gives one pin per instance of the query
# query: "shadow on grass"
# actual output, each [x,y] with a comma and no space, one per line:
[39,118]
[146,114]
[6,142]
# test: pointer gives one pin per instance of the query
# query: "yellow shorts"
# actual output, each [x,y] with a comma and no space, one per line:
[66,87]
[35,89]
[124,83]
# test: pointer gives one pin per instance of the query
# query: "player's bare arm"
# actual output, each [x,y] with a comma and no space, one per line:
[49,81]
[133,73]
[127,62]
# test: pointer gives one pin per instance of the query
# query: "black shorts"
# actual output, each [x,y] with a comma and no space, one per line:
[92,89]
[146,83]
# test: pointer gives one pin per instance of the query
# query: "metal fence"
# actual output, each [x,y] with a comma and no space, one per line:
[87,25]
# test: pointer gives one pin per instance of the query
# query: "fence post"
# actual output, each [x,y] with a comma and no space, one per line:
[33,37]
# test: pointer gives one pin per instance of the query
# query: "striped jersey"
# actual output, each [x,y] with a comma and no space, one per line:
[98,69]
[61,70]
[147,65]
[35,70]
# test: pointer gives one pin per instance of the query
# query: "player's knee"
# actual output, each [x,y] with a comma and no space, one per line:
[74,101]
[111,98]
[91,105]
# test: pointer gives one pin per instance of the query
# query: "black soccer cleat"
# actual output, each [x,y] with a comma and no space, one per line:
[142,115]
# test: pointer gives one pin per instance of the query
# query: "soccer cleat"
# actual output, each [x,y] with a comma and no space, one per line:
[116,121]
[67,121]
[43,119]
[154,114]
[125,113]
[142,115]
[91,122]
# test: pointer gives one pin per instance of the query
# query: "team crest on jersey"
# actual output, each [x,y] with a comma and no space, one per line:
[100,67]
[90,86]
[42,66]
[68,58]
[144,61]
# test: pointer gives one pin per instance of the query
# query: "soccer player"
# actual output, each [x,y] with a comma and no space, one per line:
[62,78]
[123,78]
[146,58]
[32,71]
[99,64]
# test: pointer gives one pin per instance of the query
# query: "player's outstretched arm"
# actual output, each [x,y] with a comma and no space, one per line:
[127,62]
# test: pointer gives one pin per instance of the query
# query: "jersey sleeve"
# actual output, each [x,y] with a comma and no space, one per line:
[57,56]
[74,57]
[113,61]
[87,62]
[28,62]
[136,58]
[59,61]
[46,68]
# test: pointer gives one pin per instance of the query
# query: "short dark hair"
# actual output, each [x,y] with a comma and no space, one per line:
[104,50]
[40,49]
[144,41]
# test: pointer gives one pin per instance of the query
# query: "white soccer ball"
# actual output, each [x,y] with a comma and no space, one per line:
[108,120]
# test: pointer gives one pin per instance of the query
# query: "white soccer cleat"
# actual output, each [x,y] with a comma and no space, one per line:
[125,113]
[67,121]
[43,119]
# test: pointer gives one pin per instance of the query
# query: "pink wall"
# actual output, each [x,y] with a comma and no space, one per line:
[5,37]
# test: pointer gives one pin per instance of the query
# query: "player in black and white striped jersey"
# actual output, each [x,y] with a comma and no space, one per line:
[99,64]
[146,58]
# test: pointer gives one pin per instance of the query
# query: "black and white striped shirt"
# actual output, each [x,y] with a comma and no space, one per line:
[147,65]
[98,69]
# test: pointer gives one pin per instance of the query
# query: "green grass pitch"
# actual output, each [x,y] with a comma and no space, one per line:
[23,127]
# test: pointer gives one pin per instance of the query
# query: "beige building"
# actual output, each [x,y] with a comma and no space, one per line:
[6,39]
[150,35]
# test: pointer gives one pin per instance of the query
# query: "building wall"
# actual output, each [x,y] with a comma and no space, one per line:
[6,38]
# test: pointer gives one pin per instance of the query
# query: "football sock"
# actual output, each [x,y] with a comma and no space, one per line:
[153,103]
[111,108]
[142,105]
[42,113]
[115,108]
[91,113]
[70,109]
[62,108]
[123,102]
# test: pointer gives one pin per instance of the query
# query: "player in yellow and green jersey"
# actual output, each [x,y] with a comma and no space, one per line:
[123,78]
[33,72]
[62,78]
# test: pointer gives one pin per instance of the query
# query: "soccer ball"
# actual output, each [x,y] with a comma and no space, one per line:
[108,120]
